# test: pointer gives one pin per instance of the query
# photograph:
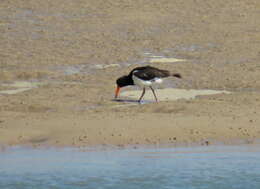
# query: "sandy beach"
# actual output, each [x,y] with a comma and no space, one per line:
[59,61]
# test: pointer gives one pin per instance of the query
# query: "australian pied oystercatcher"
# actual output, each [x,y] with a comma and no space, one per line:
[144,77]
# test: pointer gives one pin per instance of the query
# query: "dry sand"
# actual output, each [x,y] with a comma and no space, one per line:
[71,53]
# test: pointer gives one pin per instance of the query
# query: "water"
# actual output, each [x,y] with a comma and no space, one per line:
[170,94]
[182,168]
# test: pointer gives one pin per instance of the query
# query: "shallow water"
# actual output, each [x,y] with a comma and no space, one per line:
[200,167]
[170,94]
[20,86]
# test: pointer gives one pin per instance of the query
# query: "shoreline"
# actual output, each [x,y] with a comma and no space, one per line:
[179,148]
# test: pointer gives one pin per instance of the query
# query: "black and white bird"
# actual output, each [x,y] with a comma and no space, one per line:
[144,77]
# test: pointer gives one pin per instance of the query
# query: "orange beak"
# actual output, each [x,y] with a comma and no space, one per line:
[117,91]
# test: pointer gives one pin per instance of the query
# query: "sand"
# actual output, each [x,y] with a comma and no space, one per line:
[69,54]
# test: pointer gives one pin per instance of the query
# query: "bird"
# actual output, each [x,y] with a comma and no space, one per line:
[144,77]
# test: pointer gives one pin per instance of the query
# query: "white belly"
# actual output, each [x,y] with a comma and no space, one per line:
[146,83]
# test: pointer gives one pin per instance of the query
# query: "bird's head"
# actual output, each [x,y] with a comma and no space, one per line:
[122,82]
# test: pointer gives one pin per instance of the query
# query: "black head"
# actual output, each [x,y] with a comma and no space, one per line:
[124,81]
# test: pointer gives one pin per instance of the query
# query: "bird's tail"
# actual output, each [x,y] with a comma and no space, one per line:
[177,75]
[166,73]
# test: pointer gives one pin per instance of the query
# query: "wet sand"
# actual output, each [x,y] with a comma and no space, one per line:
[72,52]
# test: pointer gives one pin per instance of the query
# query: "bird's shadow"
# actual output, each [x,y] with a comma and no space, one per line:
[132,101]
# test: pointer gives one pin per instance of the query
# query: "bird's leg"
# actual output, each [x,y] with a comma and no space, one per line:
[141,95]
[154,94]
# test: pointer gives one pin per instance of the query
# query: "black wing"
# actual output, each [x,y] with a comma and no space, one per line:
[149,73]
